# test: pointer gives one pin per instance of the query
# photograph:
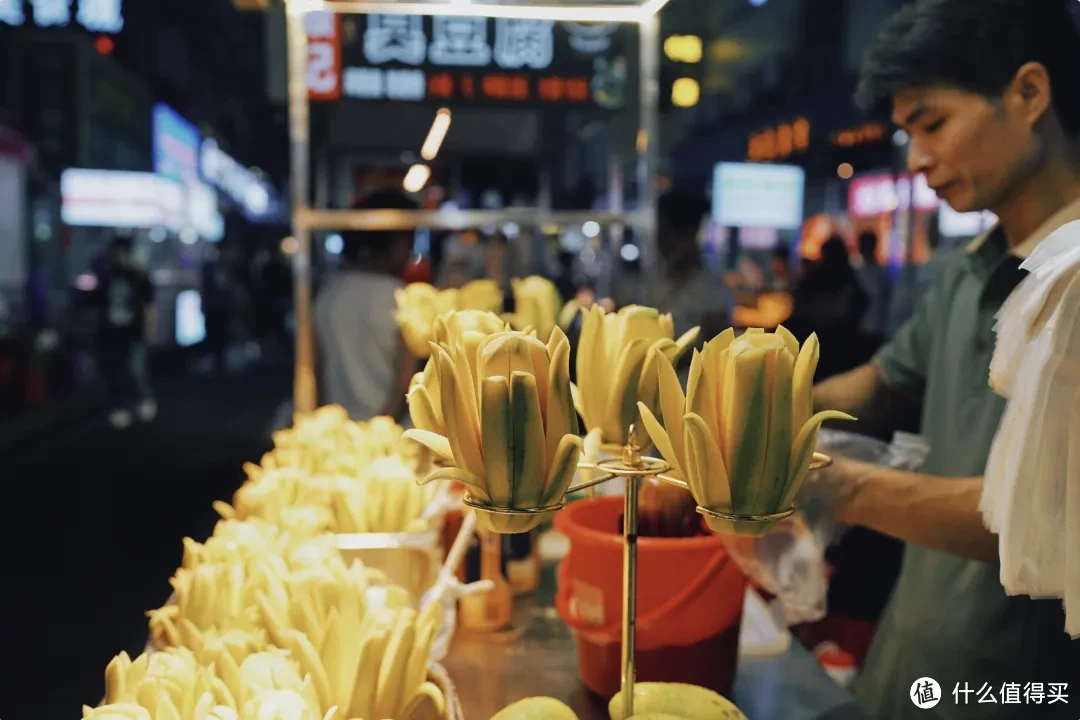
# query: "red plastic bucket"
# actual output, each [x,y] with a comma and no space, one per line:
[689,602]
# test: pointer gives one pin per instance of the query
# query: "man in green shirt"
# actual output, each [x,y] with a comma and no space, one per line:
[989,94]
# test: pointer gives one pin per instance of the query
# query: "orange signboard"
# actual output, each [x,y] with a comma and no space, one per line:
[324,55]
[782,141]
[507,87]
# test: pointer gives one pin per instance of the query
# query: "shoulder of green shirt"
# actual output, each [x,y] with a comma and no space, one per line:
[1065,215]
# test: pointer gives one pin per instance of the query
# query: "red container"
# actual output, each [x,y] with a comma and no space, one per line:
[689,602]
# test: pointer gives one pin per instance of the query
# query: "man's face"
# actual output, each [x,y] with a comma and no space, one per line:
[973,151]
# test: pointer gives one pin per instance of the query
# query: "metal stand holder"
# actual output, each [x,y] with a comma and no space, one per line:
[634,467]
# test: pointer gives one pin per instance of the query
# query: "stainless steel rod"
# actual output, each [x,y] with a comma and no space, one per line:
[591,483]
[304,391]
[529,10]
[525,217]
[629,615]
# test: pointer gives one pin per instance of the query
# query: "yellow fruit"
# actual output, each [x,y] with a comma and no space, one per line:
[743,436]
[688,702]
[536,305]
[536,708]
[618,365]
[510,424]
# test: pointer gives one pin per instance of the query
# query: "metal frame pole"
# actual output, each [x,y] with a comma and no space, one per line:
[304,392]
[648,136]
[629,598]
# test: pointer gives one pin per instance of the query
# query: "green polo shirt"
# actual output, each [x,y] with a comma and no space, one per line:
[949,618]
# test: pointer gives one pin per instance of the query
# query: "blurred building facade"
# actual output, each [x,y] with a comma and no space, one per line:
[79,83]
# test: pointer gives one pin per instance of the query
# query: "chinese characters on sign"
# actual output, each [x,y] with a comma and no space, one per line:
[324,55]
[1032,693]
[52,13]
[460,41]
[395,37]
[445,59]
[11,12]
[413,85]
[865,134]
[780,142]
[103,16]
[524,43]
[375,83]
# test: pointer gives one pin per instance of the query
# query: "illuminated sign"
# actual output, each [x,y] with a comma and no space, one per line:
[524,43]
[324,55]
[190,320]
[176,145]
[101,16]
[782,141]
[966,224]
[873,195]
[466,59]
[11,13]
[864,134]
[591,38]
[238,182]
[51,13]
[460,41]
[750,195]
[202,213]
[118,199]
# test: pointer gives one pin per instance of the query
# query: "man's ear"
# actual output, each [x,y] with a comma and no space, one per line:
[1030,94]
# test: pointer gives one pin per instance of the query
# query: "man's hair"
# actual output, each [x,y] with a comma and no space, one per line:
[682,210]
[361,245]
[977,46]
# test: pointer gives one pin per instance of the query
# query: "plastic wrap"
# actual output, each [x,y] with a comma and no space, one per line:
[789,561]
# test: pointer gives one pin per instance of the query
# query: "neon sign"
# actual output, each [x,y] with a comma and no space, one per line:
[780,142]
[446,59]
[100,16]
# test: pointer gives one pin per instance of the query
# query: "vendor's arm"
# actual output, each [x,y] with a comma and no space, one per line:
[940,513]
[868,394]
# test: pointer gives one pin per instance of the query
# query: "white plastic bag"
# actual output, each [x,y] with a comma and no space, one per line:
[789,561]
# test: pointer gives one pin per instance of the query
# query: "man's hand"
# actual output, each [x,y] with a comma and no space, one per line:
[940,513]
[837,485]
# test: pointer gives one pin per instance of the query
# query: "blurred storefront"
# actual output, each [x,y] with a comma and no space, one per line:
[80,109]
[535,105]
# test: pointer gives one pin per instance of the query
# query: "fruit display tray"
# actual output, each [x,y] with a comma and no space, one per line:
[410,560]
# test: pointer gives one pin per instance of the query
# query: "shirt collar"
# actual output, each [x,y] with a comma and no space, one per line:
[1067,214]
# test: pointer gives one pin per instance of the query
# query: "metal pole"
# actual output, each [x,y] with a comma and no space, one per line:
[304,397]
[631,459]
[648,133]
[629,625]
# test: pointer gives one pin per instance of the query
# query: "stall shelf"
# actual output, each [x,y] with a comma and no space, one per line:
[306,218]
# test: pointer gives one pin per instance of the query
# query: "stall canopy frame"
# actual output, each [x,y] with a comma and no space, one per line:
[306,218]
